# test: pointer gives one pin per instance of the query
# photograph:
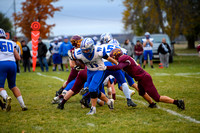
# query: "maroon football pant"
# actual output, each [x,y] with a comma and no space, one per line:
[72,75]
[80,80]
[146,85]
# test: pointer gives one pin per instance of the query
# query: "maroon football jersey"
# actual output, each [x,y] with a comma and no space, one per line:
[130,66]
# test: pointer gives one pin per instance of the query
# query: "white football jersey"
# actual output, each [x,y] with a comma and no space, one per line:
[7,50]
[110,47]
[95,62]
[55,49]
[105,82]
[148,46]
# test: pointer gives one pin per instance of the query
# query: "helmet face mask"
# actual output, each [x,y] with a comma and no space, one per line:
[87,46]
[105,38]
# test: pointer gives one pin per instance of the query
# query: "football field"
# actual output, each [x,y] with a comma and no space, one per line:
[180,81]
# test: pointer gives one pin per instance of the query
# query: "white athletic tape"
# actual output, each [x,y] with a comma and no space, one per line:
[169,111]
[161,108]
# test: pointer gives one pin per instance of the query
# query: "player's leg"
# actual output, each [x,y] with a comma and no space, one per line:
[152,92]
[110,102]
[145,58]
[151,57]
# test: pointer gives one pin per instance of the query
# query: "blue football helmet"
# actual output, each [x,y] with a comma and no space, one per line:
[105,38]
[87,46]
[2,33]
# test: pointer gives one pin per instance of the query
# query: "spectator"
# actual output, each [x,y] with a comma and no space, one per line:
[164,51]
[18,61]
[19,44]
[42,51]
[26,56]
[63,51]
[147,46]
[198,49]
[138,52]
[127,45]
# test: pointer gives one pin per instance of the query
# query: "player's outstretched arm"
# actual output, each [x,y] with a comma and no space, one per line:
[118,67]
[112,60]
[16,54]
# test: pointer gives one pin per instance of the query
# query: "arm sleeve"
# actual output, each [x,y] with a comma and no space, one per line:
[118,67]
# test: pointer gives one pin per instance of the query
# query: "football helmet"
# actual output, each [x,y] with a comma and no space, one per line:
[87,46]
[76,41]
[116,53]
[105,38]
[115,42]
[2,33]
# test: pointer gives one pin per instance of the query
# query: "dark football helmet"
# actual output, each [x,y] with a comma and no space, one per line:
[116,53]
[76,41]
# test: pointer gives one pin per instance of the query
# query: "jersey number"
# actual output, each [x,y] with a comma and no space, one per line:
[4,47]
[109,48]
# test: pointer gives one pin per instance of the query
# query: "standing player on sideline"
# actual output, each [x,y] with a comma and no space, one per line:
[8,70]
[54,49]
[145,83]
[92,58]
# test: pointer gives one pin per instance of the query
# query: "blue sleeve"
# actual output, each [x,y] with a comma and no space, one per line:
[104,51]
[60,50]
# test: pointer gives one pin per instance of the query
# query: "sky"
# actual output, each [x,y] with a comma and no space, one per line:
[82,17]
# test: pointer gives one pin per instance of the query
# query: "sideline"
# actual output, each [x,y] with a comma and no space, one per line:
[161,108]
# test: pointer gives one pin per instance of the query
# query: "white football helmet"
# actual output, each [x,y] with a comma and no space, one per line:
[115,42]
[105,38]
[2,33]
[87,46]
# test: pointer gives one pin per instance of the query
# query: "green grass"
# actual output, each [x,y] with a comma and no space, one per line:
[42,116]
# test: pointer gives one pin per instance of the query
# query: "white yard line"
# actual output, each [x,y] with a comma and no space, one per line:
[161,108]
[169,111]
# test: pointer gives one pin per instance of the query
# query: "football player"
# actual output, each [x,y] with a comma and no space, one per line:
[8,70]
[145,82]
[76,42]
[54,49]
[92,57]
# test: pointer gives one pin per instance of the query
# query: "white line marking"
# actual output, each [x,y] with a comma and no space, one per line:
[51,77]
[91,124]
[169,111]
[164,109]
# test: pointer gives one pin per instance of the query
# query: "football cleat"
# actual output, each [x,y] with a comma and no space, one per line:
[60,106]
[24,108]
[153,105]
[84,90]
[111,106]
[55,100]
[131,103]
[84,101]
[92,111]
[181,104]
[8,103]
[2,104]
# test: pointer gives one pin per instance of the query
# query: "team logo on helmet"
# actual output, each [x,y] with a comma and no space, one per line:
[76,41]
[87,46]
[105,38]
[116,53]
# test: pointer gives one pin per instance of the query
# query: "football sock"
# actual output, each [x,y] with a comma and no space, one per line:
[4,94]
[54,68]
[63,101]
[59,67]
[98,100]
[126,90]
[60,90]
[109,102]
[21,101]
[175,102]
[113,96]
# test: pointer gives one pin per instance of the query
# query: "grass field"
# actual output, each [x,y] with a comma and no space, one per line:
[180,81]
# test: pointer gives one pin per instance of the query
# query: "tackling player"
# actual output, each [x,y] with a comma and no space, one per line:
[145,83]
[8,70]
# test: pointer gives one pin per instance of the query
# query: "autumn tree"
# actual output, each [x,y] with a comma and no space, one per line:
[173,17]
[36,10]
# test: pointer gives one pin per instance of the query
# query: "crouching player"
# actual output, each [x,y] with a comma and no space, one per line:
[8,69]
[92,58]
[145,83]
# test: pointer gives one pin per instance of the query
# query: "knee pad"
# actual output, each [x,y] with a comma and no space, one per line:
[93,94]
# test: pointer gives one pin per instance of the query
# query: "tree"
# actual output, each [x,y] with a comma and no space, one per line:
[5,23]
[36,10]
[173,17]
